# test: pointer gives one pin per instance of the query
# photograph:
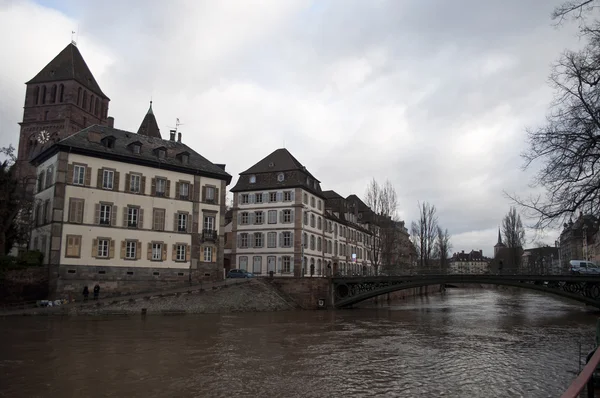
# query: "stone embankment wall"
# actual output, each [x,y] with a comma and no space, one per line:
[248,296]
[403,294]
[306,293]
[21,285]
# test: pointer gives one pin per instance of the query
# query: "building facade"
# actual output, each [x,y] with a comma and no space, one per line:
[284,223]
[473,262]
[131,211]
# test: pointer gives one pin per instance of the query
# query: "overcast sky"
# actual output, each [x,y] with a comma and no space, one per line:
[433,95]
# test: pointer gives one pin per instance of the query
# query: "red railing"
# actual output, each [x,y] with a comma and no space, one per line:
[580,382]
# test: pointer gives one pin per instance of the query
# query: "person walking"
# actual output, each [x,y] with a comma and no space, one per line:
[86,293]
[96,291]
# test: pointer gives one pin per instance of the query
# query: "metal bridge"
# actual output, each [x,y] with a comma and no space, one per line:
[350,290]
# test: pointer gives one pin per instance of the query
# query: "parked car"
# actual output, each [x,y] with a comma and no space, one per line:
[239,273]
[583,267]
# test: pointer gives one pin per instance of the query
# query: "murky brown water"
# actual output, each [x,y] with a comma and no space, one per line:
[464,344]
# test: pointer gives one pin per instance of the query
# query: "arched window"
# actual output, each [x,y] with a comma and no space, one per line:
[53,94]
[312,242]
[319,246]
[319,222]
[312,266]
[312,220]
[91,103]
[319,268]
[305,239]
[43,95]
[305,218]
[97,112]
[61,93]
[36,95]
[84,103]
[79,96]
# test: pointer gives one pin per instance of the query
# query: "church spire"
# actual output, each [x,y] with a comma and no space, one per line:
[499,237]
[149,126]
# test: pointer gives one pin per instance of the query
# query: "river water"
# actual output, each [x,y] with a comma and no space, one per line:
[466,343]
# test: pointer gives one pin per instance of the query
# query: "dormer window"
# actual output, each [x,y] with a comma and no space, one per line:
[184,157]
[280,177]
[109,142]
[161,152]
[252,179]
[137,149]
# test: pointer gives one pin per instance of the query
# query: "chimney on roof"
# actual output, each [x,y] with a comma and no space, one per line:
[178,137]
[110,121]
[172,135]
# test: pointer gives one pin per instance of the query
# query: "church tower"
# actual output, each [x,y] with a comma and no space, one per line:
[60,100]
[498,246]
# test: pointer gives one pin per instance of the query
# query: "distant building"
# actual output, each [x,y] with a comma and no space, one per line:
[578,240]
[472,262]
[506,259]
[540,260]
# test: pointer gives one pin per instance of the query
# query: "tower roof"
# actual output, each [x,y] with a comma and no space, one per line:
[499,244]
[68,65]
[149,126]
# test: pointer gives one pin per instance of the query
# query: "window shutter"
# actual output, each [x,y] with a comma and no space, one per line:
[189,224]
[217,196]
[97,213]
[127,182]
[292,264]
[292,239]
[188,252]
[292,195]
[140,218]
[113,216]
[280,216]
[177,190]
[164,252]
[116,181]
[265,197]
[279,196]
[204,193]
[125,216]
[191,192]
[239,240]
[122,249]
[279,263]
[174,253]
[175,222]
[239,218]
[143,186]
[292,215]
[138,250]
[94,248]
[250,240]
[153,187]
[251,218]
[70,171]
[252,198]
[111,249]
[80,211]
[99,180]
[168,190]
[87,177]
[281,239]
[149,252]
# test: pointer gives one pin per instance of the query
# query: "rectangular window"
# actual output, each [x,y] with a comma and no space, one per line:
[272,239]
[108,177]
[257,264]
[182,222]
[130,249]
[161,186]
[287,216]
[287,196]
[287,265]
[271,262]
[180,252]
[73,246]
[244,240]
[210,194]
[209,223]
[132,217]
[272,216]
[287,239]
[258,239]
[78,175]
[157,251]
[135,181]
[245,218]
[312,201]
[245,198]
[76,210]
[105,214]
[49,176]
[258,197]
[272,196]
[243,263]
[103,246]
[184,190]
[258,217]
[47,211]
[208,254]
[158,220]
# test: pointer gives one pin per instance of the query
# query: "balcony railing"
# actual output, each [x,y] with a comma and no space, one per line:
[209,235]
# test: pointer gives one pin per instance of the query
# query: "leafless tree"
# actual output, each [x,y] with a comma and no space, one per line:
[383,201]
[567,146]
[514,235]
[442,247]
[424,233]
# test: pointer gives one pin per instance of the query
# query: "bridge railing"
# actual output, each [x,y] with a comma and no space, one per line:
[460,270]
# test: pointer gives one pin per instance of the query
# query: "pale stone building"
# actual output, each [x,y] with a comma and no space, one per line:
[131,211]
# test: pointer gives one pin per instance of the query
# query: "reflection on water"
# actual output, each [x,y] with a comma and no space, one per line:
[467,343]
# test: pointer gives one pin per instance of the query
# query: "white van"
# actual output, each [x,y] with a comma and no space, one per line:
[583,267]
